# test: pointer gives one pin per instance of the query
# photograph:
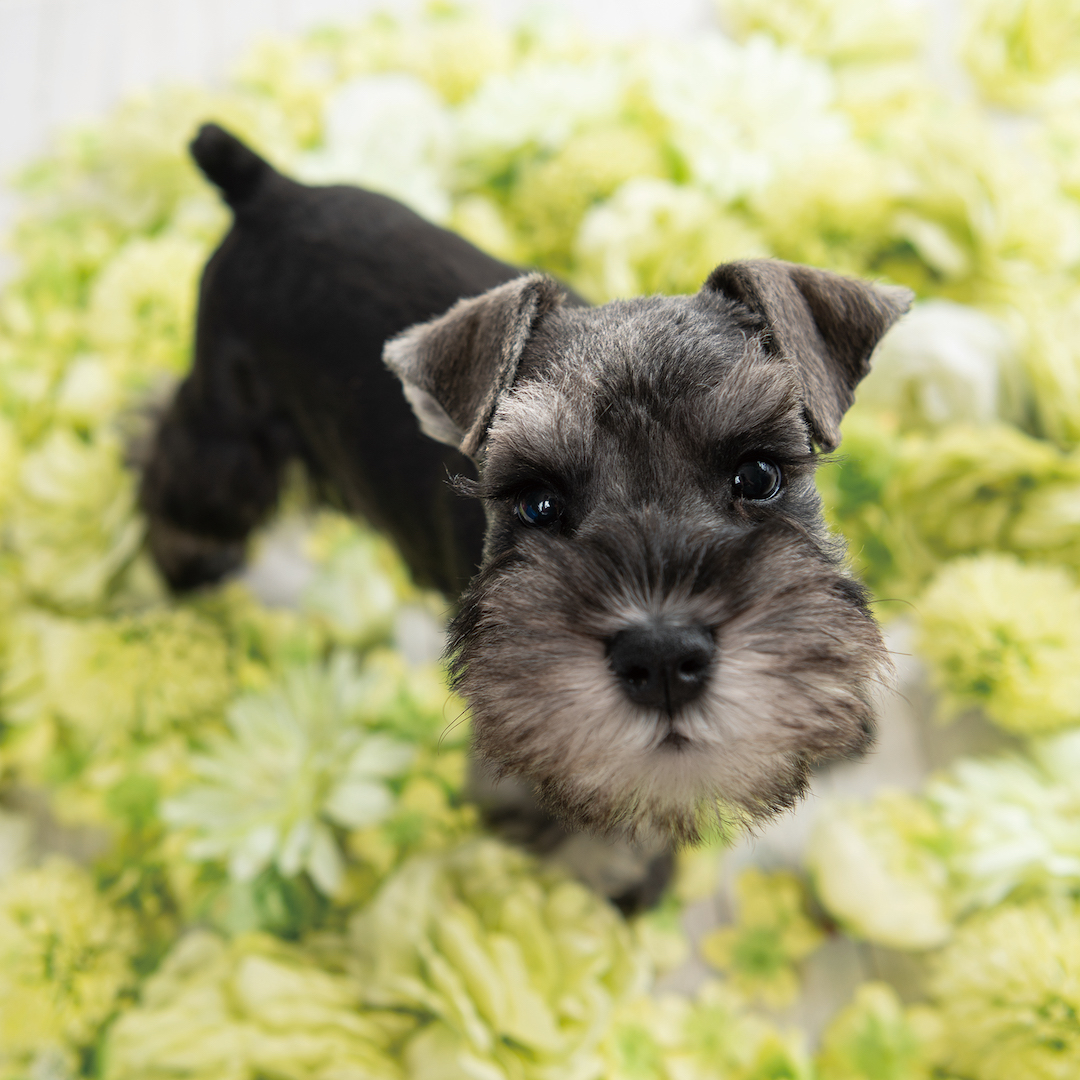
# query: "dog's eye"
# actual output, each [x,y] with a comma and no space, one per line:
[757,480]
[539,507]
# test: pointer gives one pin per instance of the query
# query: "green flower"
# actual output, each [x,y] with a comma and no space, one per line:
[873,1039]
[1016,50]
[250,1008]
[72,522]
[389,133]
[516,971]
[1012,822]
[656,236]
[95,703]
[837,30]
[772,934]
[536,107]
[142,305]
[742,116]
[553,192]
[853,490]
[296,762]
[877,869]
[1008,995]
[64,965]
[942,363]
[359,585]
[967,489]
[710,1036]
[1046,314]
[1005,637]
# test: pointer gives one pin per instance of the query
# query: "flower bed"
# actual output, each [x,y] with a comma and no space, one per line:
[260,864]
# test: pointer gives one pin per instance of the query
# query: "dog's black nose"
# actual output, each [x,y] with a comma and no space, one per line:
[660,665]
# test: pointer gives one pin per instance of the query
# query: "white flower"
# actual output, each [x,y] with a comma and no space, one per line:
[1014,822]
[656,236]
[540,105]
[942,363]
[742,115]
[389,133]
[297,760]
[874,871]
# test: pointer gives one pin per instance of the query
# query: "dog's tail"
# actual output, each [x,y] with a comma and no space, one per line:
[228,163]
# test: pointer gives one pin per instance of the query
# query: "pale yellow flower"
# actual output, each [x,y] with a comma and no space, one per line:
[249,1008]
[1005,637]
[875,870]
[1008,993]
[873,1039]
[516,971]
[65,963]
[771,934]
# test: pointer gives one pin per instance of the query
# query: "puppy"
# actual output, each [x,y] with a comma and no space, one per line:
[657,633]
[662,634]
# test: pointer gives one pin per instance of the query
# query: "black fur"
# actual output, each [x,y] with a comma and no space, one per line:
[294,307]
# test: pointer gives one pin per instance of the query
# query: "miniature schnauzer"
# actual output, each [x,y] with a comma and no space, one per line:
[657,632]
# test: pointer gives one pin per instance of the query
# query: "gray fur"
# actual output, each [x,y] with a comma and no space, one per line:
[635,416]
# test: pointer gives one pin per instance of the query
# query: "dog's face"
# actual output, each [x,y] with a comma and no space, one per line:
[661,630]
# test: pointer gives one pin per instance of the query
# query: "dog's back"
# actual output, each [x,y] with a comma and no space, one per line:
[294,308]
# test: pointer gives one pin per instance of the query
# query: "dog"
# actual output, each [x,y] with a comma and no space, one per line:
[656,632]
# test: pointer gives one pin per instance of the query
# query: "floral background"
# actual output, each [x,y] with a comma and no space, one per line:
[233,842]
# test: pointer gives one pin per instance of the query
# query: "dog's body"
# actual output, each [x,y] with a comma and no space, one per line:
[294,308]
[661,625]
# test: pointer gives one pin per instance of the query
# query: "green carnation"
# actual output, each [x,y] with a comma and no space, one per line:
[553,193]
[516,971]
[741,117]
[359,584]
[655,236]
[72,525]
[1012,822]
[942,363]
[877,869]
[967,489]
[1047,317]
[1017,49]
[853,488]
[1005,637]
[95,703]
[389,133]
[772,934]
[142,305]
[296,762]
[64,965]
[250,1008]
[1008,994]
[873,1039]
[709,1036]
[838,30]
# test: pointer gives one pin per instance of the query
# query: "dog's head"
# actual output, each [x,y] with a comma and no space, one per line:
[662,629]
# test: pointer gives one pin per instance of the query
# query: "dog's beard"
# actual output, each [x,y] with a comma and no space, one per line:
[796,655]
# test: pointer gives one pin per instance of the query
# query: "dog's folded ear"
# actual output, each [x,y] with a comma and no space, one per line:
[454,367]
[826,324]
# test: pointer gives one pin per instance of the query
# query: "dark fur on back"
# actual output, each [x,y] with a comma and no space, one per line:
[294,308]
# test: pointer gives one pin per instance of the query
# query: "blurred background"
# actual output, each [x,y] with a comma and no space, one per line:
[66,61]
[211,808]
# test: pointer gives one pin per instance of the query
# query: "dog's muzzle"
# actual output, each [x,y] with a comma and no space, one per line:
[660,665]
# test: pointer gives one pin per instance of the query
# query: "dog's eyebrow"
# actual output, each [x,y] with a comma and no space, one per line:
[758,406]
[537,434]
